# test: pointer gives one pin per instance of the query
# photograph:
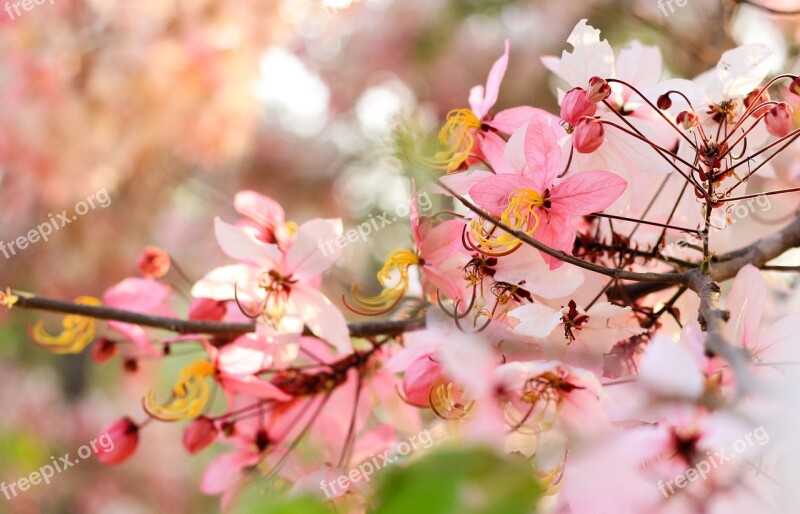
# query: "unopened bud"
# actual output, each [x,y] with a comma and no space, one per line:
[664,102]
[124,439]
[687,119]
[199,434]
[576,105]
[756,98]
[589,135]
[794,87]
[599,90]
[153,262]
[779,120]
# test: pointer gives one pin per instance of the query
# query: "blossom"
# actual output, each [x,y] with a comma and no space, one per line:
[532,202]
[275,281]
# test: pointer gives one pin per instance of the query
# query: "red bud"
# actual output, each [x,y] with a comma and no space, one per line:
[664,102]
[123,439]
[199,434]
[104,349]
[207,309]
[153,262]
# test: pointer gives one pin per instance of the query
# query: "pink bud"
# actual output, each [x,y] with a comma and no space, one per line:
[104,349]
[588,135]
[199,434]
[576,105]
[153,262]
[207,309]
[779,120]
[123,436]
[599,90]
[421,376]
[687,119]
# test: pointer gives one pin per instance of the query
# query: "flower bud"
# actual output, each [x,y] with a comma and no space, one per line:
[779,120]
[599,90]
[756,98]
[588,135]
[207,309]
[687,119]
[199,434]
[153,262]
[104,349]
[123,439]
[794,87]
[664,102]
[576,105]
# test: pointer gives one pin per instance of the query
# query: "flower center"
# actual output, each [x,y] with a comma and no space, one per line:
[398,262]
[521,214]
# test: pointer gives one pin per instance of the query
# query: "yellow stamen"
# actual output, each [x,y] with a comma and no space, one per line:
[7,298]
[189,395]
[78,331]
[444,403]
[394,287]
[291,228]
[521,214]
[457,138]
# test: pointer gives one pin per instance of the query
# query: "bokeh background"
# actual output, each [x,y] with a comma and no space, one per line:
[173,107]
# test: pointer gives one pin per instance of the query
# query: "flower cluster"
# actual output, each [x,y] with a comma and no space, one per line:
[554,324]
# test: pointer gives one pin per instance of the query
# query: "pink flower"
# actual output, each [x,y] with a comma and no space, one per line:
[576,105]
[532,202]
[273,281]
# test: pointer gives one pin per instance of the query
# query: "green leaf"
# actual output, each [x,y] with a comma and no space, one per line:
[459,481]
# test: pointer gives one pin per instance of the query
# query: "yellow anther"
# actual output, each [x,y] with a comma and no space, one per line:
[521,214]
[78,331]
[395,287]
[189,395]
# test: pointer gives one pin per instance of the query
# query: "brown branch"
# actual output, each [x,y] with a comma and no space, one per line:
[712,320]
[181,326]
[619,274]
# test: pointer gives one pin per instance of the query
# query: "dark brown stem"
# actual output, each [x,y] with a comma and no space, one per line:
[181,326]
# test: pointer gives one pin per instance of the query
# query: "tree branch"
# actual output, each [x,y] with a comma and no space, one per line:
[180,326]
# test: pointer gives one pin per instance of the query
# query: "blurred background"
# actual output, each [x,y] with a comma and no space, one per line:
[173,107]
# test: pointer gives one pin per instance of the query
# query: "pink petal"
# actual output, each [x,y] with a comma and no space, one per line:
[251,385]
[493,83]
[137,294]
[322,317]
[492,193]
[265,211]
[542,152]
[746,302]
[536,320]
[225,471]
[587,192]
[219,283]
[309,255]
[242,245]
[509,120]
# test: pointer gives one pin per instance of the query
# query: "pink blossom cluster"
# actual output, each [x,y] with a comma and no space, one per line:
[536,339]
